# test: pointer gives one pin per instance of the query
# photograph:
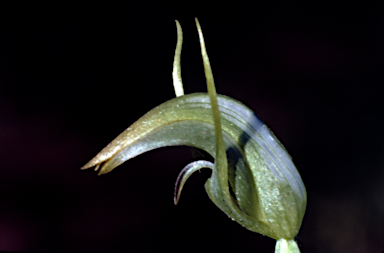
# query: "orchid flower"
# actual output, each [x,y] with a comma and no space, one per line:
[253,181]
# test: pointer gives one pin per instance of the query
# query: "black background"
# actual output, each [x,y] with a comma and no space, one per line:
[72,77]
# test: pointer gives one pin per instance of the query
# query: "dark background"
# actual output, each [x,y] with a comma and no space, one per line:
[72,77]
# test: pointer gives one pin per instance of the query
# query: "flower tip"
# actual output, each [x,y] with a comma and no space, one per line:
[176,199]
[85,167]
[88,166]
[103,170]
[97,167]
[177,191]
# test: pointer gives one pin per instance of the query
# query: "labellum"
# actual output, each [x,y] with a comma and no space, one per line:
[253,181]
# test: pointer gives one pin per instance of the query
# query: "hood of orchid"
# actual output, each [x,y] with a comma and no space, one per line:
[253,181]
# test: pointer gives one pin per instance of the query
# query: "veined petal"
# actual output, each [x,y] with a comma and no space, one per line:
[250,146]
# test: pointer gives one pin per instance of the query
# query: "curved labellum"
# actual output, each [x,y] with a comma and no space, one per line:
[254,180]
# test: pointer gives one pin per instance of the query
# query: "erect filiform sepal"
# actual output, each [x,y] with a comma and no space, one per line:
[268,195]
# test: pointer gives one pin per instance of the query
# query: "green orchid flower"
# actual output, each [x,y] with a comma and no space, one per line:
[253,181]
